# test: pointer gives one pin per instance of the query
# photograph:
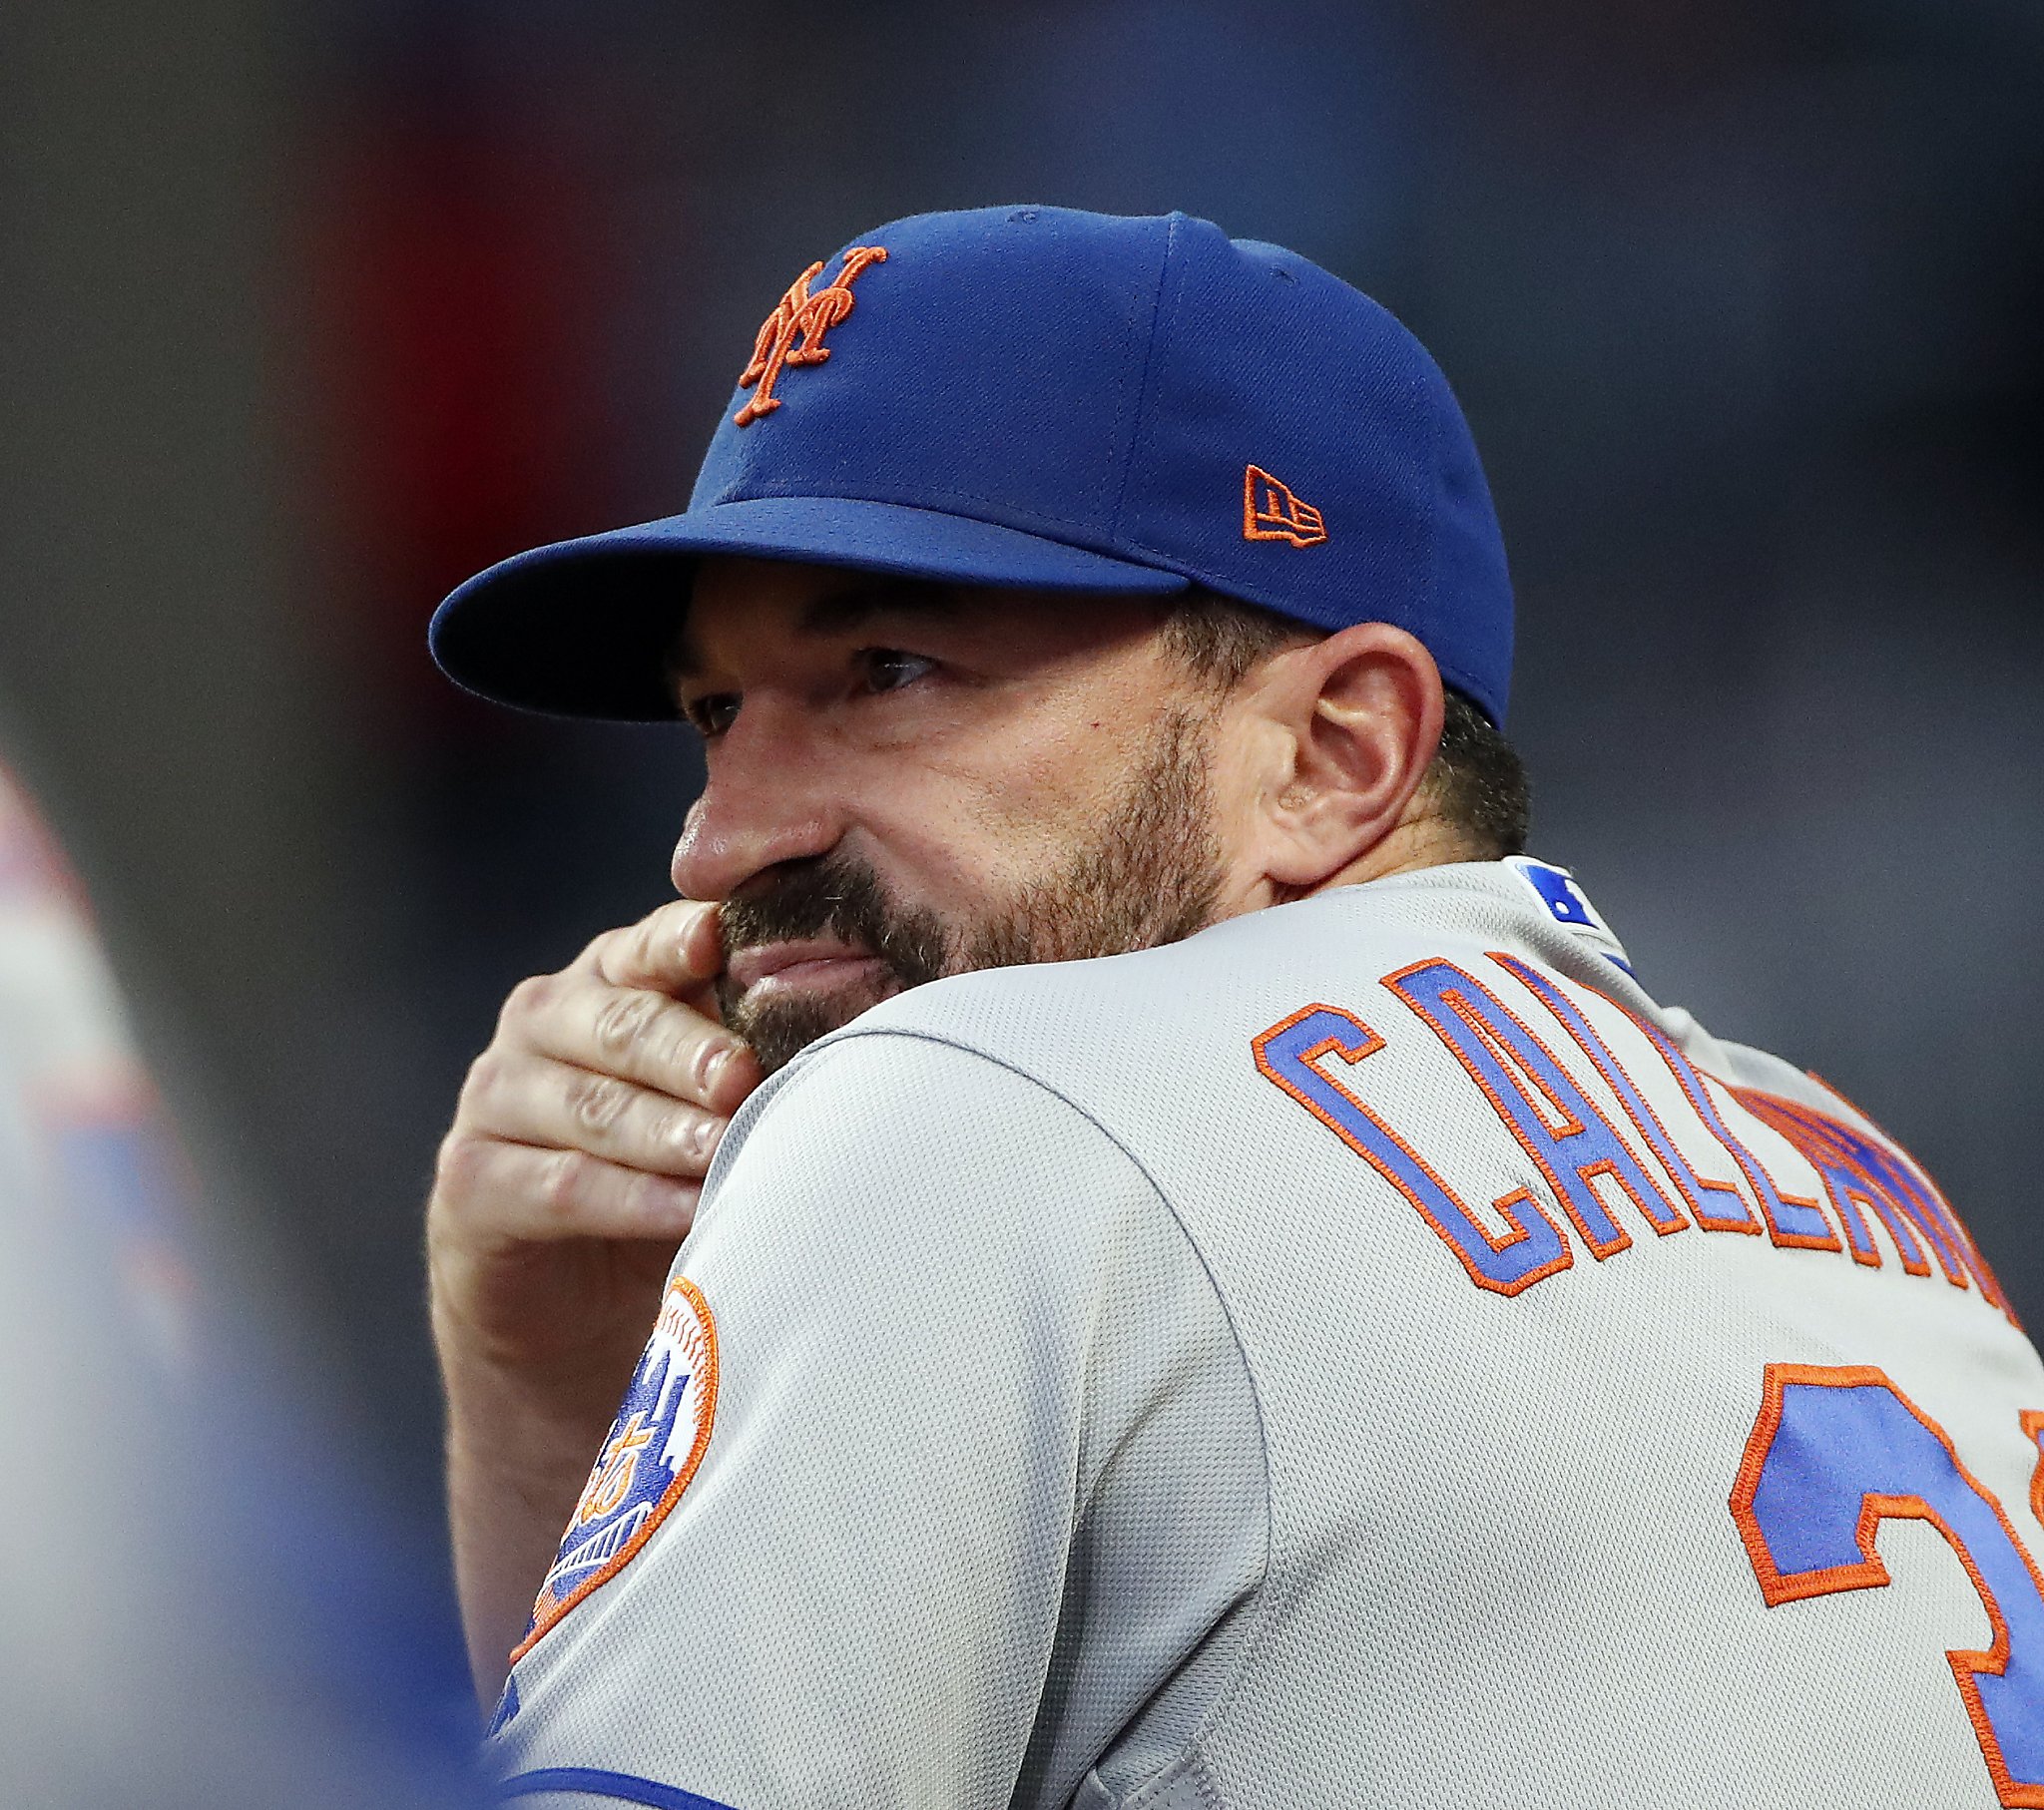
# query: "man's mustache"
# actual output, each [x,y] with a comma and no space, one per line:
[835,896]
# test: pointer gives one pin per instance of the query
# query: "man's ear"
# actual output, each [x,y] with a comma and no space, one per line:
[1357,717]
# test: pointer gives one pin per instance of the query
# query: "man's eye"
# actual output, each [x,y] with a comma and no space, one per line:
[888,668]
[714,715]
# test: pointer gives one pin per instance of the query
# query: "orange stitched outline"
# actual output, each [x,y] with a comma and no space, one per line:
[1695,1086]
[547,1610]
[1870,1573]
[1774,1194]
[1847,1184]
[1690,1079]
[1917,1199]
[1976,1259]
[1370,1043]
[1297,522]
[810,316]
[1564,1123]
[1589,1173]
[1775,1588]
[2033,1431]
[1461,1007]
[1633,1099]
[1600,1248]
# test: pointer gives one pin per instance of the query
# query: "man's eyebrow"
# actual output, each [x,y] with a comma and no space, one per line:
[682,662]
[840,611]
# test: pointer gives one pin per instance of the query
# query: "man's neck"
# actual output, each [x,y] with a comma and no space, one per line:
[1426,840]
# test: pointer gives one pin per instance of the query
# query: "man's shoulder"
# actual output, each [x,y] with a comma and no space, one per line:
[1147,1045]
[933,1137]
[1041,1019]
[946,1072]
[1215,980]
[931,1089]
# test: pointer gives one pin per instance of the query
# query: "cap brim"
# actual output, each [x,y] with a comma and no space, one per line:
[584,628]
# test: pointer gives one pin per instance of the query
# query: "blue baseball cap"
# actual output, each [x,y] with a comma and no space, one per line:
[1050,399]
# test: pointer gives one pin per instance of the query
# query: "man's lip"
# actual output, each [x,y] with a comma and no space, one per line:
[749,967]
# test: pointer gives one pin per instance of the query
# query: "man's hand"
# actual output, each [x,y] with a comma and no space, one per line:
[570,1175]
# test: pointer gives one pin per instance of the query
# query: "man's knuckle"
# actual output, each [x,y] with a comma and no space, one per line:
[623,1022]
[597,1101]
[685,1043]
[705,1059]
[527,999]
[666,1054]
[563,1179]
[680,1132]
[649,1195]
[459,1163]
[485,1077]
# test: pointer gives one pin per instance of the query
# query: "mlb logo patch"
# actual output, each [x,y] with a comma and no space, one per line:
[654,1448]
[1567,903]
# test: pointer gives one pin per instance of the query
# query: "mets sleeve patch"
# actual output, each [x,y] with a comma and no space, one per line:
[654,1448]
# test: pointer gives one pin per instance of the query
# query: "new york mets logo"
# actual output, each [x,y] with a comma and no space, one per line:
[1271,511]
[655,1446]
[800,316]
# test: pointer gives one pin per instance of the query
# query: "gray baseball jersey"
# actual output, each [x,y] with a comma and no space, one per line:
[1366,1354]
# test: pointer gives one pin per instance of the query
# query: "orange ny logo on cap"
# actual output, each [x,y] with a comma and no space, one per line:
[800,316]
[1270,511]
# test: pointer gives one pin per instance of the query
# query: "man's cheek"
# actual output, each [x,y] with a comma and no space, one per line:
[1006,790]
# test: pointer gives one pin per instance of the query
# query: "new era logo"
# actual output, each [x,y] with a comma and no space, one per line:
[1270,511]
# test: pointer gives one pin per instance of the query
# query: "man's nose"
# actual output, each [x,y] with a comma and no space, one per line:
[762,805]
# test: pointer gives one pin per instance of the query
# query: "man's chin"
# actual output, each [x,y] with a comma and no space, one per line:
[784,1022]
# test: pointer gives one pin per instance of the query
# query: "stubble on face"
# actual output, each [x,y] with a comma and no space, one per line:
[1149,875]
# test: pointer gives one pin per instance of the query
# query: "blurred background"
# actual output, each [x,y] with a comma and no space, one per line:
[308,311]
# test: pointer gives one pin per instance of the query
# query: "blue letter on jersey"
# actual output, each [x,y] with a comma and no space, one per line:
[1286,1055]
[1834,1453]
[1511,1066]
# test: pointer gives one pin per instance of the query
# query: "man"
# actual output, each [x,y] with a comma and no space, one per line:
[1231,1293]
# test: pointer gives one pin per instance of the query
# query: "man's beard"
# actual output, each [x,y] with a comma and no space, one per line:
[1151,875]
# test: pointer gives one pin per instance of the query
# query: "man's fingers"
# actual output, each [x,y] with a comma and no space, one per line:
[536,1100]
[523,1193]
[637,1035]
[673,950]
